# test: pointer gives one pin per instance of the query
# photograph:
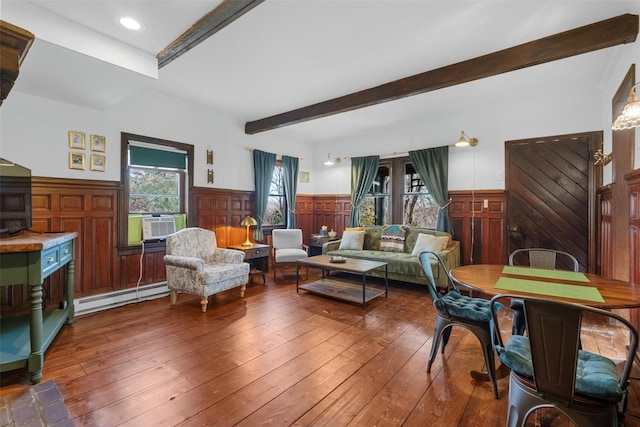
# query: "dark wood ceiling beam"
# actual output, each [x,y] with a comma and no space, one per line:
[224,14]
[603,34]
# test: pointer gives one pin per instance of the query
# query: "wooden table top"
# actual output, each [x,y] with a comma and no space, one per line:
[616,293]
[352,265]
[32,242]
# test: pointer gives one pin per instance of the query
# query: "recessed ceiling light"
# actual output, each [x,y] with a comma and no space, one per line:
[130,23]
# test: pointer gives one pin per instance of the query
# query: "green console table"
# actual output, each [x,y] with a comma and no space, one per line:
[29,259]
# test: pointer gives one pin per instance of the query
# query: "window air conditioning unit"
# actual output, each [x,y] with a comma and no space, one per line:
[157,227]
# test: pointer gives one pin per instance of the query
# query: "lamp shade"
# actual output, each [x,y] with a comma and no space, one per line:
[630,116]
[463,141]
[248,221]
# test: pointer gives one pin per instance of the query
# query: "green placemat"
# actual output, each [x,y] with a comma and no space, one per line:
[585,293]
[574,276]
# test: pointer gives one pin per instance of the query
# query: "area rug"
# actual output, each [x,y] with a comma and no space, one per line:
[41,404]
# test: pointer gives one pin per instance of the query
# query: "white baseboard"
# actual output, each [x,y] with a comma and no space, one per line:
[117,298]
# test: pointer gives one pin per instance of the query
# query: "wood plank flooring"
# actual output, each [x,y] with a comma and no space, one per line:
[277,357]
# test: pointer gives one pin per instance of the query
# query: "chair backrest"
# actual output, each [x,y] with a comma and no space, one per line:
[194,242]
[286,238]
[545,258]
[425,261]
[554,338]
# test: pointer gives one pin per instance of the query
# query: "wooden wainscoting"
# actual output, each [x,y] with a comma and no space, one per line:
[480,230]
[606,225]
[312,212]
[633,180]
[221,211]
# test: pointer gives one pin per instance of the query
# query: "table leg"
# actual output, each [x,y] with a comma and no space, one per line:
[36,358]
[364,290]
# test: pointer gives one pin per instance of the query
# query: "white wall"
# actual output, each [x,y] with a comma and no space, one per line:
[627,55]
[34,133]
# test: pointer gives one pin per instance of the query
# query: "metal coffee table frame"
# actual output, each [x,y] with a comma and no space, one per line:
[341,289]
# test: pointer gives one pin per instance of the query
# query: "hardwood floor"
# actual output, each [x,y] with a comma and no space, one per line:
[276,357]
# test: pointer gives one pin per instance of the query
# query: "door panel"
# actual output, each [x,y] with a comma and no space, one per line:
[550,195]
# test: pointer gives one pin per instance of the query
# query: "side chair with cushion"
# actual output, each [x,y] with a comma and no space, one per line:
[549,259]
[196,265]
[287,247]
[548,369]
[452,309]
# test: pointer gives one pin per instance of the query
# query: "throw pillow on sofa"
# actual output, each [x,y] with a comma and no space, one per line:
[428,242]
[352,240]
[392,239]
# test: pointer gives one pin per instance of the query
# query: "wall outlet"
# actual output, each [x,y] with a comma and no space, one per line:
[485,204]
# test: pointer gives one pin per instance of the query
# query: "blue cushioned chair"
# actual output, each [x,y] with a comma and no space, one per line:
[549,259]
[453,308]
[548,369]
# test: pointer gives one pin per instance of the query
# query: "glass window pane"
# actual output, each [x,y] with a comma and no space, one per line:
[374,210]
[419,211]
[154,191]
[274,215]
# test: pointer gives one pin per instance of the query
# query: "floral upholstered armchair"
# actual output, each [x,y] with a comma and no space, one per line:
[196,265]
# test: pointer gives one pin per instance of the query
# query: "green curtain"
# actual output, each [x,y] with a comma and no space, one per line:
[290,169]
[363,172]
[432,165]
[263,164]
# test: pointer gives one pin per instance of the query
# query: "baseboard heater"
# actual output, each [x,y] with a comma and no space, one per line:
[101,302]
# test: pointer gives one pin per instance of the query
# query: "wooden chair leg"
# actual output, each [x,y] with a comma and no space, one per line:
[174,297]
[242,289]
[204,301]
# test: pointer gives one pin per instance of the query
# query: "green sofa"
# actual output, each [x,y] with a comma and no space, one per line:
[401,265]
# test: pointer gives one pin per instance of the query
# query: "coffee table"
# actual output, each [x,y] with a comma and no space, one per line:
[342,289]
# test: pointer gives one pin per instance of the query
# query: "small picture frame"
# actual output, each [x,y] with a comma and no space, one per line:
[98,163]
[76,160]
[76,140]
[304,176]
[98,143]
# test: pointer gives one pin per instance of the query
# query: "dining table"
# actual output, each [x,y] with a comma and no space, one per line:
[577,287]
[569,286]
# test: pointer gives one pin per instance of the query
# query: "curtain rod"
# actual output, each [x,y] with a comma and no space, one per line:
[277,155]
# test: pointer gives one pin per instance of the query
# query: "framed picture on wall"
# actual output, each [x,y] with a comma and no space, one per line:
[76,160]
[76,140]
[98,143]
[304,176]
[98,163]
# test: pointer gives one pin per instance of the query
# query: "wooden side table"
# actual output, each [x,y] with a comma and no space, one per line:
[315,243]
[257,255]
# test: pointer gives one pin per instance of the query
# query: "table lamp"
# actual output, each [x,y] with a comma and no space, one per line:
[248,221]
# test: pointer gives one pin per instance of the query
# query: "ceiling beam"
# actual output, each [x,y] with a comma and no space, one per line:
[224,14]
[603,34]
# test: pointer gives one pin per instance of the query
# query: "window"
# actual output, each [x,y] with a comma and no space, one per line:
[375,207]
[156,180]
[418,208]
[275,215]
[398,196]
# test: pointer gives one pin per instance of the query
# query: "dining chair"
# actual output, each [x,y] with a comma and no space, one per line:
[453,308]
[537,258]
[287,247]
[548,368]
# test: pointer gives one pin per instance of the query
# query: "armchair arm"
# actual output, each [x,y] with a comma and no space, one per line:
[191,263]
[226,256]
[331,246]
[451,255]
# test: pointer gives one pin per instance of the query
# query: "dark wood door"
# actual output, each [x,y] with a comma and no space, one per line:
[550,184]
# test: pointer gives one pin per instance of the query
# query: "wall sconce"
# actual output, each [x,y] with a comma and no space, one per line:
[630,116]
[601,159]
[465,141]
[330,162]
[248,221]
[209,157]
[209,176]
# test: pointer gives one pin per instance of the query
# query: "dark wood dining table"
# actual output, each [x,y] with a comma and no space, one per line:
[483,278]
[617,294]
